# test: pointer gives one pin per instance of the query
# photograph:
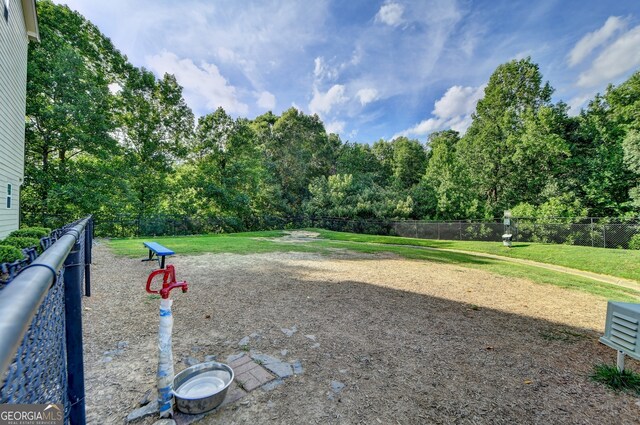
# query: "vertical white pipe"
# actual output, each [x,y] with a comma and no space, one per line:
[165,360]
[620,361]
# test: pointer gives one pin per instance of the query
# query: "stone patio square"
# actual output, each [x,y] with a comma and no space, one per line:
[248,381]
[261,375]
[239,370]
[239,362]
[249,374]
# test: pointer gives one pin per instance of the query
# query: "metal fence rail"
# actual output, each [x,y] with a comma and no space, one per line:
[41,328]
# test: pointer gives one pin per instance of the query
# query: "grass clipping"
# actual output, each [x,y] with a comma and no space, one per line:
[610,376]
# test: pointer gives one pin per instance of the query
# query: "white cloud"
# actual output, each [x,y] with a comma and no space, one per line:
[423,127]
[621,56]
[336,127]
[390,14]
[319,68]
[367,95]
[594,39]
[204,86]
[266,100]
[453,110]
[322,71]
[458,100]
[322,103]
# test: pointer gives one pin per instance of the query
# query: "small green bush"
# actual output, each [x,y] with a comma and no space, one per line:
[634,243]
[610,376]
[31,232]
[22,243]
[9,254]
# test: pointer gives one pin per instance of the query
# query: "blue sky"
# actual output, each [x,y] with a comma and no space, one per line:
[370,69]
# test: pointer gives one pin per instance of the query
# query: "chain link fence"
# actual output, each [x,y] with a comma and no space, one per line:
[41,328]
[605,232]
[602,232]
[171,225]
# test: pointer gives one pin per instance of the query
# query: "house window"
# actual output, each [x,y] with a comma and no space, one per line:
[9,195]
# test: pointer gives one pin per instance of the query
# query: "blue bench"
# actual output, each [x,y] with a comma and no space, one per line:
[159,251]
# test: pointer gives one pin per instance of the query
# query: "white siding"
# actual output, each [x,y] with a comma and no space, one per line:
[13,80]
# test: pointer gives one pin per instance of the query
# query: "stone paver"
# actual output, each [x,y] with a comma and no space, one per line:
[282,369]
[238,360]
[264,358]
[148,410]
[249,374]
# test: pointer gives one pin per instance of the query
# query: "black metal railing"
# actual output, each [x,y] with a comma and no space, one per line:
[41,328]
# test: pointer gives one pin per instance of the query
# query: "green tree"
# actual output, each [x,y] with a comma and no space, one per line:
[383,152]
[155,127]
[447,177]
[602,180]
[68,114]
[409,162]
[298,149]
[497,144]
[228,176]
[360,161]
[625,108]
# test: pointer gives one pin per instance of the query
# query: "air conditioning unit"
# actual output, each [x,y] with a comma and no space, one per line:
[621,330]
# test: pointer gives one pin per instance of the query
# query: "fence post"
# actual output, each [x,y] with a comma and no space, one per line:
[73,334]
[604,235]
[415,229]
[88,243]
[438,227]
[592,243]
[460,229]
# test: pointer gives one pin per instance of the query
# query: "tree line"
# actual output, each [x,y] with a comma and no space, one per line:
[107,138]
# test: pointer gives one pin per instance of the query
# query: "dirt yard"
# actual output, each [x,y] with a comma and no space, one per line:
[412,342]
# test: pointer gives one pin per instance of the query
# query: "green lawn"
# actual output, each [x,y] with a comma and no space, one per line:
[254,242]
[613,262]
[237,243]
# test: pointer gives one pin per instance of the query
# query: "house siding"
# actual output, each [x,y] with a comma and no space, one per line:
[13,81]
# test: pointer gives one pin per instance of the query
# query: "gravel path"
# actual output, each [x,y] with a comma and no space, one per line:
[381,340]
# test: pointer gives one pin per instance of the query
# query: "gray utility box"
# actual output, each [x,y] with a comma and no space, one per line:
[621,329]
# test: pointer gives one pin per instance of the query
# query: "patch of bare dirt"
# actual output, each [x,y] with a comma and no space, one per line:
[412,341]
[295,236]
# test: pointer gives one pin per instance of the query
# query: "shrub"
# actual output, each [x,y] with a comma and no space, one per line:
[634,243]
[31,232]
[9,254]
[22,243]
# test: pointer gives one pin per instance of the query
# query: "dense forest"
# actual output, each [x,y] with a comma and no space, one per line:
[107,138]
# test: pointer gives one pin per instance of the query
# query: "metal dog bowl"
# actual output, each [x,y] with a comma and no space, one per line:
[202,387]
